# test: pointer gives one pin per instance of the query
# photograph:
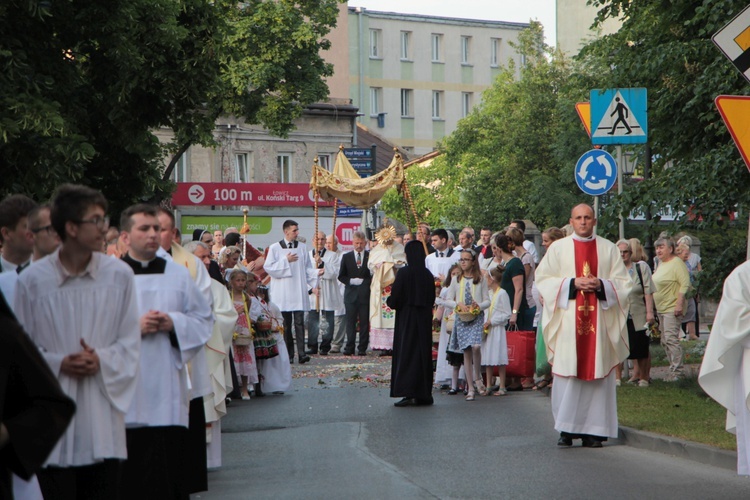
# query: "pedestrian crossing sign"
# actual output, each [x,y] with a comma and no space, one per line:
[618,116]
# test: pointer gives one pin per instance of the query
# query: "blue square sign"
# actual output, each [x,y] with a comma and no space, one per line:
[619,116]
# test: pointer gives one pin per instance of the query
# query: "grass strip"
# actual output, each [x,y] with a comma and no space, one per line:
[678,409]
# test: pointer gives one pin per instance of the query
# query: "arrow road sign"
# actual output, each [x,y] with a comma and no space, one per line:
[618,116]
[596,172]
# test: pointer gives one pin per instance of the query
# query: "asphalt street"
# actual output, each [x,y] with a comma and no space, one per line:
[336,434]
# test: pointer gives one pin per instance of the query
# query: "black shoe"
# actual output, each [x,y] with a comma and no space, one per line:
[591,442]
[311,351]
[257,391]
[425,402]
[304,359]
[361,354]
[323,353]
[453,392]
[565,441]
[386,353]
[406,402]
[347,353]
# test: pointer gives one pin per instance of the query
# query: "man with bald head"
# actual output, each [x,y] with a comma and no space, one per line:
[325,298]
[585,288]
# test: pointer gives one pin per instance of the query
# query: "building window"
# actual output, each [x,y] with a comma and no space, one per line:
[376,98]
[375,44]
[437,47]
[466,98]
[495,52]
[465,49]
[324,160]
[284,164]
[241,167]
[437,105]
[180,172]
[407,97]
[406,45]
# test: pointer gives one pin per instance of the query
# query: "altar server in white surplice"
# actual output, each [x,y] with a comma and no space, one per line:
[725,371]
[585,288]
[326,297]
[80,307]
[292,275]
[176,322]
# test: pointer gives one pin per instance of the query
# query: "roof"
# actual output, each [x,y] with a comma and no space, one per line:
[421,18]
[384,149]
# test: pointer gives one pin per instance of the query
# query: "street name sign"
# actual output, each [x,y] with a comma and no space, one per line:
[596,172]
[734,41]
[619,116]
[735,111]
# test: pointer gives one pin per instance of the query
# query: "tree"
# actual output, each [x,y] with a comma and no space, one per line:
[513,156]
[665,46]
[85,83]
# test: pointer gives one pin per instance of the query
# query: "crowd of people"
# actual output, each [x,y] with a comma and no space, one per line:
[150,339]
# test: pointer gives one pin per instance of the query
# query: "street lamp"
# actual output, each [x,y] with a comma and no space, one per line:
[626,163]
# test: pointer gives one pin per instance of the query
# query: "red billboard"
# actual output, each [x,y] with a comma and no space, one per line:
[245,194]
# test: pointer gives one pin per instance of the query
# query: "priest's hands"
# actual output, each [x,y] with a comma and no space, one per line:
[292,257]
[81,364]
[155,321]
[587,285]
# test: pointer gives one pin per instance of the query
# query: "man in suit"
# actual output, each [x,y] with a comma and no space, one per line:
[356,277]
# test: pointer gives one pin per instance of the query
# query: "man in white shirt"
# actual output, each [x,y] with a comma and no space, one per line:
[440,261]
[80,307]
[17,241]
[292,272]
[325,297]
[175,324]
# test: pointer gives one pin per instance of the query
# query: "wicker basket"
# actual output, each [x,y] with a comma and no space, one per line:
[466,317]
[264,325]
[449,323]
[243,340]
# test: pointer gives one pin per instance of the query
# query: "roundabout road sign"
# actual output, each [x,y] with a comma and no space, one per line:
[596,172]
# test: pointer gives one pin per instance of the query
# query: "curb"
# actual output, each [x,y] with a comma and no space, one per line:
[689,450]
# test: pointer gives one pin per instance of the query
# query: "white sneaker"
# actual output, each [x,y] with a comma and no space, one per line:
[643,383]
[618,382]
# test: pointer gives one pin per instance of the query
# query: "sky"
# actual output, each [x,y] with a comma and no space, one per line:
[495,10]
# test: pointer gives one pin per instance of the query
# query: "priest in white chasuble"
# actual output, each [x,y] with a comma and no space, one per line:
[585,288]
[292,275]
[176,322]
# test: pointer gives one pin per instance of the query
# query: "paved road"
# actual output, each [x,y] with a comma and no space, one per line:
[338,435]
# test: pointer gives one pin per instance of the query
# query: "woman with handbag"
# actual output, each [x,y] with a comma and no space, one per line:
[242,340]
[469,296]
[640,317]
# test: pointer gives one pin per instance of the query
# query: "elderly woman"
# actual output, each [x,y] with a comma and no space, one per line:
[228,258]
[640,316]
[693,263]
[672,282]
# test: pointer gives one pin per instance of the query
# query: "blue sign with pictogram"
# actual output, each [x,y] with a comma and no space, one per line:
[619,116]
[596,172]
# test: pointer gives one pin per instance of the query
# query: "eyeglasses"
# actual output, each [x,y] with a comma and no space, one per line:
[99,222]
[47,228]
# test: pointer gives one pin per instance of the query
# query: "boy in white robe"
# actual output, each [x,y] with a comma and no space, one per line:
[79,306]
[176,322]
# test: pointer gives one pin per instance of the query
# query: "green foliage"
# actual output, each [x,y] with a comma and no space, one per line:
[85,83]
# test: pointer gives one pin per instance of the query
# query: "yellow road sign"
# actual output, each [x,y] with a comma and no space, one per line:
[584,113]
[735,111]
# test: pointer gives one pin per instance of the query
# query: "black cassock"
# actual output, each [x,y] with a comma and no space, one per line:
[33,407]
[412,296]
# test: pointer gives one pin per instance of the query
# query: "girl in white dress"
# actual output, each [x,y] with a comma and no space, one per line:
[494,343]
[448,364]
[277,371]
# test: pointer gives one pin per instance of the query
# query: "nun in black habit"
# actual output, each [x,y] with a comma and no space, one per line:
[412,296]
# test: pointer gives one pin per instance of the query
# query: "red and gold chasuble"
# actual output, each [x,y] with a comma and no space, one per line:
[587,264]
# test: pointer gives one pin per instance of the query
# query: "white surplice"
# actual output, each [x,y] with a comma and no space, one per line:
[328,283]
[725,371]
[290,281]
[441,265]
[162,396]
[101,307]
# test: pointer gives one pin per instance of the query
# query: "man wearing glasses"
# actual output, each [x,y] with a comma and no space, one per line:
[80,308]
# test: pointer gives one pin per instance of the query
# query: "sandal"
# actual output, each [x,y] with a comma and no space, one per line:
[453,392]
[500,392]
[481,389]
[470,397]
[540,385]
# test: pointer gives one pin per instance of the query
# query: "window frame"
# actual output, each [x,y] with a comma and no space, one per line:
[436,47]
[376,43]
[376,99]
[466,50]
[466,103]
[280,166]
[406,46]
[407,103]
[182,167]
[437,104]
[237,169]
[495,52]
